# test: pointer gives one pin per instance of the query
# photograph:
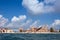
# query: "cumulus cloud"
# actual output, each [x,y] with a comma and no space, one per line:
[20,18]
[57,6]
[56,22]
[1,16]
[26,23]
[3,21]
[20,21]
[37,7]
[17,21]
[35,24]
[49,1]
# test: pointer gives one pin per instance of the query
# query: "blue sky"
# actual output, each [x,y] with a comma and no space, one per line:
[47,12]
[9,8]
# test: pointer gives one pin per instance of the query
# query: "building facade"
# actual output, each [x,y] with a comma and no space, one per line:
[5,30]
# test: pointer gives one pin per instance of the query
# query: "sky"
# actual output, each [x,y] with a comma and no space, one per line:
[27,13]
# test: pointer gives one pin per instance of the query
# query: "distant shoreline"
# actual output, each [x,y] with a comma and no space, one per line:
[33,33]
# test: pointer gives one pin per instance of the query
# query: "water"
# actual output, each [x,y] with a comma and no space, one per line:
[17,36]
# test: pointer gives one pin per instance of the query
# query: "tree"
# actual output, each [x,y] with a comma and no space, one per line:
[59,30]
[21,29]
[51,29]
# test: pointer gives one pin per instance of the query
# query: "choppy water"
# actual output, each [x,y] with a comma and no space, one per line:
[29,36]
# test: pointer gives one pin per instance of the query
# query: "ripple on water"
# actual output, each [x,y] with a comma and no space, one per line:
[29,36]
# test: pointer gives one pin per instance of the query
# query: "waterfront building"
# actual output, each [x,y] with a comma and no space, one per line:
[9,31]
[27,31]
[40,29]
[43,29]
[6,30]
[33,29]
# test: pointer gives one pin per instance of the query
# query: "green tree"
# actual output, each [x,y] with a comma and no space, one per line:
[21,30]
[51,29]
[59,30]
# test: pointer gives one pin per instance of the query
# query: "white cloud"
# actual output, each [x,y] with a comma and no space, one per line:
[3,21]
[57,6]
[1,16]
[35,24]
[37,7]
[20,18]
[25,24]
[56,22]
[15,18]
[18,24]
[49,1]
